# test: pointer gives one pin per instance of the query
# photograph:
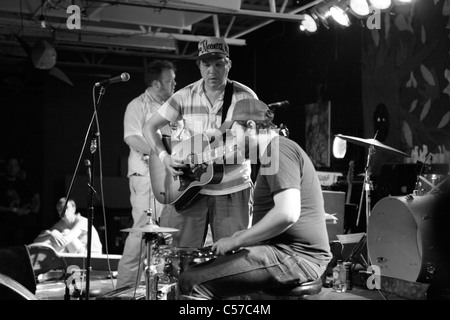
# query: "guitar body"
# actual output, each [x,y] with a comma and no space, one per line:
[180,190]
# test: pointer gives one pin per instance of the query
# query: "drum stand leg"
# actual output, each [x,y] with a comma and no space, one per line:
[151,280]
[356,254]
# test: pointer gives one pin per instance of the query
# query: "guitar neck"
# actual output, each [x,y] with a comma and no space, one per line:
[349,193]
[351,167]
[211,155]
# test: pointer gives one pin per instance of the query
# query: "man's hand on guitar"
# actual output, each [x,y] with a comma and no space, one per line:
[173,166]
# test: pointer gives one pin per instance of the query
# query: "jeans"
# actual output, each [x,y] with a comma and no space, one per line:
[226,214]
[249,270]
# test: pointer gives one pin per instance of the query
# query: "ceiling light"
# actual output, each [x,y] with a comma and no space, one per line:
[321,13]
[309,23]
[339,13]
[359,8]
[381,4]
[42,21]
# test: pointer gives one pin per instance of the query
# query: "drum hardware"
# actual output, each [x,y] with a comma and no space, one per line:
[180,259]
[151,235]
[428,182]
[381,260]
[367,188]
[409,197]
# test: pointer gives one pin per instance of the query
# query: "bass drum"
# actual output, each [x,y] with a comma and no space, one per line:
[400,237]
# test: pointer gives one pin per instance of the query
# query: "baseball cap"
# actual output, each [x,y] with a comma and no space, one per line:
[212,47]
[247,109]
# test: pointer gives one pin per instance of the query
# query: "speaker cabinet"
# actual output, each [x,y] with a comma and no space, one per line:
[10,289]
[334,202]
[15,263]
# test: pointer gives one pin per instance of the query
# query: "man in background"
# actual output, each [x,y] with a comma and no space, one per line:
[160,82]
[19,205]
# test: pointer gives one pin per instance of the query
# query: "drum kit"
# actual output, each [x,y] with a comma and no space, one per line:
[398,237]
[165,263]
[399,228]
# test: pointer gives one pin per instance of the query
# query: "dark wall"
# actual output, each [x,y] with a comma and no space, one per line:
[300,68]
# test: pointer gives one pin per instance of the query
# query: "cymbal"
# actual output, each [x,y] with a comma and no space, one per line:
[150,228]
[372,142]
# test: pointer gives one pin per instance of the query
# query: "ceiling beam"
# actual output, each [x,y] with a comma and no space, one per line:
[106,35]
[167,5]
[300,9]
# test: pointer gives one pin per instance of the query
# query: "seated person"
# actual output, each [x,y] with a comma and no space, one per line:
[69,234]
[288,242]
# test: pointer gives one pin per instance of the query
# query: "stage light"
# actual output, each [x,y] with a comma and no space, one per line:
[42,21]
[322,13]
[339,148]
[309,24]
[339,13]
[359,8]
[314,18]
[381,4]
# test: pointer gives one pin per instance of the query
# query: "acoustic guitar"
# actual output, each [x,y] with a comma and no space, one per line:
[201,168]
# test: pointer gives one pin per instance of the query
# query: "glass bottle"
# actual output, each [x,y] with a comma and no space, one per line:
[339,277]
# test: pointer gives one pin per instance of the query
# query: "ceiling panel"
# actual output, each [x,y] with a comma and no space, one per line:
[139,27]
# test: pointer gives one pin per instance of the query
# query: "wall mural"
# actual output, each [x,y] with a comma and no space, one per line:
[318,121]
[406,68]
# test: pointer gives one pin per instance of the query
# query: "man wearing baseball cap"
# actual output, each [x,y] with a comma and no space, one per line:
[225,207]
[288,242]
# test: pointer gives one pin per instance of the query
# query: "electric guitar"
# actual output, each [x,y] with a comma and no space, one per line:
[350,173]
[201,168]
[351,209]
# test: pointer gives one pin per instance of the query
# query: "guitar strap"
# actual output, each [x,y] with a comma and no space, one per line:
[227,99]
[228,95]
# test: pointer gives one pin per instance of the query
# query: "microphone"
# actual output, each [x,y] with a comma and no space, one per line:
[281,104]
[124,77]
[87,163]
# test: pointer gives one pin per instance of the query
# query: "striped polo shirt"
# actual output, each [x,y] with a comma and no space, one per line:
[191,105]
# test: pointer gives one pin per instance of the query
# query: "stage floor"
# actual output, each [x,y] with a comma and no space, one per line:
[101,284]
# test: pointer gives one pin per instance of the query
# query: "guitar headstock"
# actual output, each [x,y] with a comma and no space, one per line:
[350,173]
[284,131]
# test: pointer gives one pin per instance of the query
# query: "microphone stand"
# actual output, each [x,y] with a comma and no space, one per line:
[91,169]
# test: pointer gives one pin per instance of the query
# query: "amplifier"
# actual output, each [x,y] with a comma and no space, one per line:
[334,202]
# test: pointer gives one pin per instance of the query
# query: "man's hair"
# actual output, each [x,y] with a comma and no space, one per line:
[155,69]
[261,124]
[62,201]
